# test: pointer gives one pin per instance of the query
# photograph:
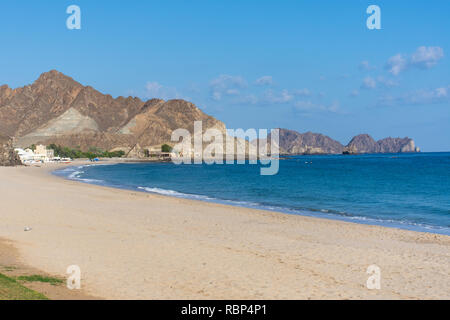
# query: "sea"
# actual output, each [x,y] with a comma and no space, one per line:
[407,191]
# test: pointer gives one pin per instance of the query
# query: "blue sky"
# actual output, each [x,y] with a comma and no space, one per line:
[303,65]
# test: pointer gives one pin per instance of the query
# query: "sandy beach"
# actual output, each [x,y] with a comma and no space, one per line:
[132,245]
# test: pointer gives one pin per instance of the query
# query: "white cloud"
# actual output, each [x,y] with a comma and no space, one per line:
[226,85]
[302,92]
[419,97]
[427,57]
[273,97]
[396,64]
[153,88]
[388,83]
[442,92]
[157,90]
[305,105]
[354,93]
[334,106]
[428,96]
[423,58]
[250,98]
[232,92]
[312,106]
[365,66]
[236,91]
[264,81]
[369,83]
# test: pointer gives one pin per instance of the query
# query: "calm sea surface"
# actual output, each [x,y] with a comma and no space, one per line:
[409,191]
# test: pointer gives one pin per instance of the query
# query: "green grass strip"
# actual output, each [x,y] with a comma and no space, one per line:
[10,289]
[38,278]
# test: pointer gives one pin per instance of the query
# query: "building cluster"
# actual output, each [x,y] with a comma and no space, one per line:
[40,155]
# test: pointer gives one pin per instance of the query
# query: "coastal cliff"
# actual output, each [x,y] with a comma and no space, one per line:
[364,143]
[8,157]
[293,142]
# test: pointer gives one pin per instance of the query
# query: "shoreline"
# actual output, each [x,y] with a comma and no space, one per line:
[319,214]
[137,245]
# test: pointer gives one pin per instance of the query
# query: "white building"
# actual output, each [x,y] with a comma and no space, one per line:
[40,154]
[25,155]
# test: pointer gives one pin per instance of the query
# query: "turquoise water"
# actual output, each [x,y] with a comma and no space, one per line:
[409,191]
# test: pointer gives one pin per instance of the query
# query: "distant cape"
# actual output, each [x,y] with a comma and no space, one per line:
[293,142]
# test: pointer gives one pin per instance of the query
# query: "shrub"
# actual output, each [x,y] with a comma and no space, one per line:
[166,148]
[65,152]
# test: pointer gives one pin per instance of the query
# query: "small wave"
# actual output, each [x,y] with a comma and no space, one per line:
[75,173]
[324,213]
[174,193]
[91,181]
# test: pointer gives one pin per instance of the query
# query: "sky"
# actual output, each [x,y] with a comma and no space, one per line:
[302,65]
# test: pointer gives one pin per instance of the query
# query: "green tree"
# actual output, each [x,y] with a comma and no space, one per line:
[92,153]
[166,148]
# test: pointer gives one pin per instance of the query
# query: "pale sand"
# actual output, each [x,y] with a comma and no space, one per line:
[133,245]
[11,267]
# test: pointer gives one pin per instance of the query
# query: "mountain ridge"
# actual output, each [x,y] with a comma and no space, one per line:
[57,109]
[294,142]
[364,143]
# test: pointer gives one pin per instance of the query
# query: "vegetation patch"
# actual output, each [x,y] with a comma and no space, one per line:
[38,278]
[10,289]
[166,148]
[92,153]
[8,268]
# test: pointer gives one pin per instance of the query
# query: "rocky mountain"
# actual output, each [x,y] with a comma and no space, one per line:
[57,109]
[393,145]
[364,143]
[8,157]
[293,142]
